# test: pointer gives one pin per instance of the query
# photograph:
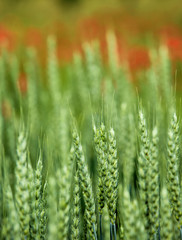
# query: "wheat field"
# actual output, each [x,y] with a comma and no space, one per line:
[86,152]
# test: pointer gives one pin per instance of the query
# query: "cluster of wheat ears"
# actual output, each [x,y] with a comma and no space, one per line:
[83,154]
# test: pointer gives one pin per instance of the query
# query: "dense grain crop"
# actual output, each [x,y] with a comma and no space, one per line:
[85,156]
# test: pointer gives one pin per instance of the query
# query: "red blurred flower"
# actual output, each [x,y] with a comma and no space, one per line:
[138,58]
[33,38]
[168,31]
[90,29]
[6,38]
[174,45]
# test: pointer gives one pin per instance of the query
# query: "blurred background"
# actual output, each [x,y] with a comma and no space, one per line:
[138,25]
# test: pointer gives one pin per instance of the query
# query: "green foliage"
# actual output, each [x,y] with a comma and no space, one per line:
[76,210]
[120,180]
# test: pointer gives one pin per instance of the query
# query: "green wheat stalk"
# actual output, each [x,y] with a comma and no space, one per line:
[100,140]
[33,224]
[75,230]
[112,176]
[10,227]
[86,187]
[22,185]
[63,202]
[153,188]
[172,169]
[52,209]
[143,167]
[166,228]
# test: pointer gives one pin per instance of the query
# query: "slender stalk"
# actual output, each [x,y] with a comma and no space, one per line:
[114,229]
[155,236]
[100,224]
[95,234]
[111,234]
[159,234]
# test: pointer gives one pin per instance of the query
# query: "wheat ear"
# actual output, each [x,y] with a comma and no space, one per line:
[85,186]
